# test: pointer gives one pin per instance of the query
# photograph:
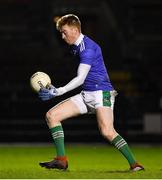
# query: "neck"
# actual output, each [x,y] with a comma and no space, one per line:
[79,39]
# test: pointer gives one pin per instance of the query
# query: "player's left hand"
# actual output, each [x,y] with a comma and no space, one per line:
[47,94]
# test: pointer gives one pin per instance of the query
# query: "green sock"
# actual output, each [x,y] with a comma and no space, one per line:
[58,137]
[123,147]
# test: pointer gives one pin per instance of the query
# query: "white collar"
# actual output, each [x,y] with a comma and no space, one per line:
[78,41]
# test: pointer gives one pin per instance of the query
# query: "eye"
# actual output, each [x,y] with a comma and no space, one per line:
[63,32]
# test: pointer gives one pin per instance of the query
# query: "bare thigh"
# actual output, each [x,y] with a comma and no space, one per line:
[62,111]
[105,120]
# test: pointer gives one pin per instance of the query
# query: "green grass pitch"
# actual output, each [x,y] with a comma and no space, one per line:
[85,162]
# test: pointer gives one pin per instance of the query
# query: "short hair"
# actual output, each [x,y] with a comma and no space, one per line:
[69,19]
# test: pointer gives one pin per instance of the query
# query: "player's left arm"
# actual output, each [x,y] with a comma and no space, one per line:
[82,72]
[86,58]
[47,94]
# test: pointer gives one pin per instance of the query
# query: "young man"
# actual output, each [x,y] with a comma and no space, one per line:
[98,95]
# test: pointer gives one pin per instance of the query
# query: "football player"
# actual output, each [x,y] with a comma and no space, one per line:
[97,95]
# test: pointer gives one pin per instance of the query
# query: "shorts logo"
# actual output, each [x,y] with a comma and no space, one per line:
[106,98]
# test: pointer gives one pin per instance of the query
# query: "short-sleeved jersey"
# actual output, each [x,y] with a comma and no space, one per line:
[89,52]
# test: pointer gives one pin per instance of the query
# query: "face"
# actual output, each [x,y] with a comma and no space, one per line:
[69,34]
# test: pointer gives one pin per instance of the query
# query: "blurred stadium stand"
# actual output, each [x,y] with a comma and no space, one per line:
[129,33]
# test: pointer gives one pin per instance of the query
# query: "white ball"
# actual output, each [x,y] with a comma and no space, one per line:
[39,80]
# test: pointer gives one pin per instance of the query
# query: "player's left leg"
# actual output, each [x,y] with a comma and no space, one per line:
[71,107]
[54,117]
[106,125]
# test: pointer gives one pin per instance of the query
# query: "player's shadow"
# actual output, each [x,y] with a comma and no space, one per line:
[105,171]
[118,171]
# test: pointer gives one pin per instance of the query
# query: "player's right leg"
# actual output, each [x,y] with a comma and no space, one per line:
[105,119]
[66,109]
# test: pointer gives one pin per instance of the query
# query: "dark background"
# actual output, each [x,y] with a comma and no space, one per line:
[130,34]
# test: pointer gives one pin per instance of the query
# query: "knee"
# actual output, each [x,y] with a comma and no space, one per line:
[109,134]
[48,117]
[51,117]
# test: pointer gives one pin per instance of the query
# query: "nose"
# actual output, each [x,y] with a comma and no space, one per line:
[63,36]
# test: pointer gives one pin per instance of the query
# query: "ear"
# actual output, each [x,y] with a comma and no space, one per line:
[75,29]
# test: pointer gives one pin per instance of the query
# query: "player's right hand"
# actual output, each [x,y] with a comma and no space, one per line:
[47,94]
